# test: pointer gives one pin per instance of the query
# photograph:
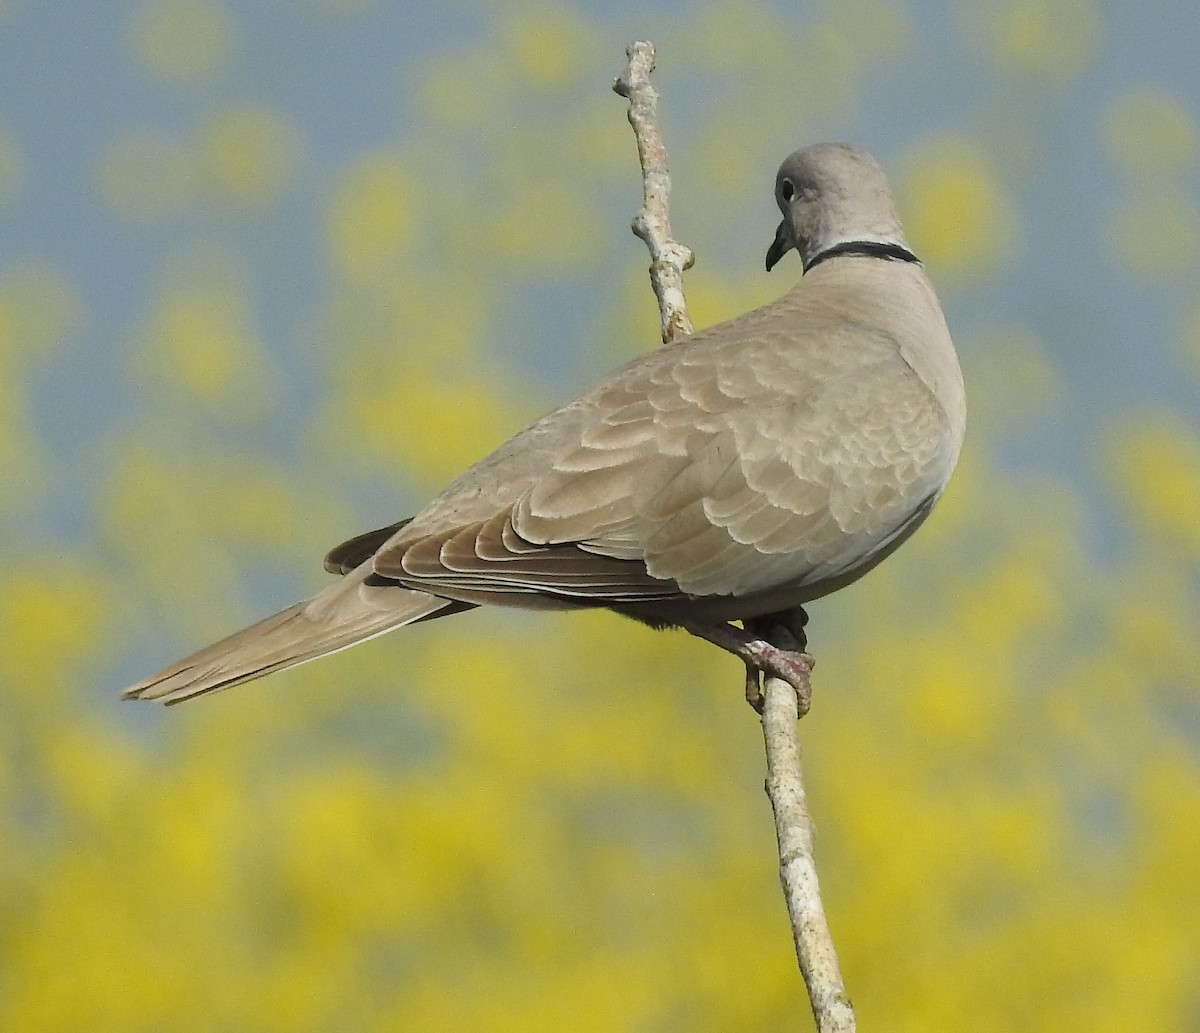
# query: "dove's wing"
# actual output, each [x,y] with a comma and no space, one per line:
[781,449]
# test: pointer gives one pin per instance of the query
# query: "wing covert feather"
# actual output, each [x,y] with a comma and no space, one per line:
[732,462]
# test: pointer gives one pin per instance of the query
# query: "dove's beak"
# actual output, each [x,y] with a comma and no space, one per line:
[780,246]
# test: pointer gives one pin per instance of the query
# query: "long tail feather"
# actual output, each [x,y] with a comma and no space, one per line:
[333,620]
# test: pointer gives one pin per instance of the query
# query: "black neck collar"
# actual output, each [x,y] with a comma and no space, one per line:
[870,248]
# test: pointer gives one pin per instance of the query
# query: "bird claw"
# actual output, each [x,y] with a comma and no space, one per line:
[789,665]
[754,693]
[786,660]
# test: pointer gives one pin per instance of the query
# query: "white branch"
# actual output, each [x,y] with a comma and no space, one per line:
[797,865]
[668,258]
[780,711]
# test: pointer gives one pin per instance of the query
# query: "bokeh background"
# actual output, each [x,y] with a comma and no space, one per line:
[271,272]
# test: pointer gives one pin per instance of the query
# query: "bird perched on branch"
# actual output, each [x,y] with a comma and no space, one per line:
[729,476]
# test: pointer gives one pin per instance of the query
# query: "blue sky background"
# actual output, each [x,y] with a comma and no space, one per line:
[350,80]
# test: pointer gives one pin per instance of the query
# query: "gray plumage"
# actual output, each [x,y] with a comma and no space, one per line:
[747,469]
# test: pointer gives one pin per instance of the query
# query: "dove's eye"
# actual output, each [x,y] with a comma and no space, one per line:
[786,190]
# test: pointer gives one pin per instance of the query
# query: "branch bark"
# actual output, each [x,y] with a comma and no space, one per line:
[780,711]
[668,258]
[797,859]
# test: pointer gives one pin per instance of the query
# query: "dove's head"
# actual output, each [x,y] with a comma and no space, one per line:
[830,194]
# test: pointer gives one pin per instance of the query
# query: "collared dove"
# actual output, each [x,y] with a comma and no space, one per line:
[732,475]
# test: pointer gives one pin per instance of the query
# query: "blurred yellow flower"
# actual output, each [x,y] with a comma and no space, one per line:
[466,90]
[40,309]
[200,339]
[166,513]
[1155,234]
[729,35]
[439,424]
[1156,470]
[183,41]
[945,699]
[1154,629]
[713,297]
[1049,39]
[248,154]
[548,43]
[1149,131]
[54,618]
[957,214]
[876,30]
[1013,383]
[544,226]
[371,218]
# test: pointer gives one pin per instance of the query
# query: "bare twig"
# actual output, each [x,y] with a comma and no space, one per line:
[780,709]
[797,865]
[668,258]
[797,868]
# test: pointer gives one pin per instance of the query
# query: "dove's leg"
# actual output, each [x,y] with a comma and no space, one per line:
[773,644]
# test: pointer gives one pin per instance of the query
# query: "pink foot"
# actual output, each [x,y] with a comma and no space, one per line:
[787,662]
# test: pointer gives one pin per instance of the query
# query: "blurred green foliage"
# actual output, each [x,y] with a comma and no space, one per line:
[524,822]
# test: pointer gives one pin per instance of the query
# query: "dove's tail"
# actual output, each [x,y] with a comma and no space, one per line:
[335,619]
